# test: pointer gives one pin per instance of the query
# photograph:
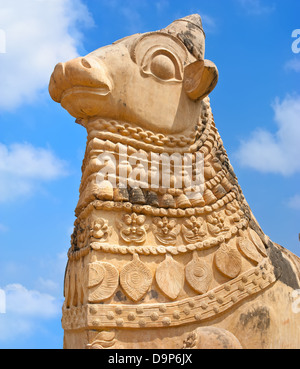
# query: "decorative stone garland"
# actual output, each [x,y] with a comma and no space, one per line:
[162,315]
[117,131]
[149,210]
[127,130]
[159,250]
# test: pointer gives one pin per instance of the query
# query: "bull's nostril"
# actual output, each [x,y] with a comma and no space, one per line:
[85,63]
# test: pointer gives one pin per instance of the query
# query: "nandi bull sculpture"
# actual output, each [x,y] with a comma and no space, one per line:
[160,266]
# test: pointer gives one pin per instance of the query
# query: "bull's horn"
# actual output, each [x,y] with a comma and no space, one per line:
[190,31]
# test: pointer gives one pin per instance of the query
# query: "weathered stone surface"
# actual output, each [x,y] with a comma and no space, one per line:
[163,266]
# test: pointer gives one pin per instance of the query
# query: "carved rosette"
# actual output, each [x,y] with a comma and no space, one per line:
[194,230]
[133,228]
[166,230]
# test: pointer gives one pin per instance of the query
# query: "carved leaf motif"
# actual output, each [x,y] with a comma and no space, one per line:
[96,273]
[228,261]
[258,242]
[136,279]
[248,250]
[103,280]
[198,274]
[170,277]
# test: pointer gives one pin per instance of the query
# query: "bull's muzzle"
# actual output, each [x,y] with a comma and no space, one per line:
[79,76]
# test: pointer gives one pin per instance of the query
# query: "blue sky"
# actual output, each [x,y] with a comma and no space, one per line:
[256,107]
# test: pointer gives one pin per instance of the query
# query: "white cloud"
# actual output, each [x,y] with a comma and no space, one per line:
[23,168]
[293,65]
[294,202]
[47,284]
[256,7]
[162,5]
[23,302]
[131,12]
[24,309]
[3,228]
[39,33]
[277,152]
[209,23]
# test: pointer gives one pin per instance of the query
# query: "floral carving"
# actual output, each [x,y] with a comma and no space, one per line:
[233,213]
[133,228]
[216,224]
[166,230]
[194,229]
[100,230]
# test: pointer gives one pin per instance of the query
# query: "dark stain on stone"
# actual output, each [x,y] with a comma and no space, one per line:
[283,269]
[256,320]
[153,294]
[120,296]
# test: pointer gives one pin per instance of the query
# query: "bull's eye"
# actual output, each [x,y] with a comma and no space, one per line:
[163,67]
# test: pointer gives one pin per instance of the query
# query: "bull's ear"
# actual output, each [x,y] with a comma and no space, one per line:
[200,78]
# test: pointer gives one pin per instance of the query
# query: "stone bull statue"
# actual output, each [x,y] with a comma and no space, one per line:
[157,266]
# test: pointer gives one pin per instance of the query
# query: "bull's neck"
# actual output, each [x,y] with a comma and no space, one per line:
[220,185]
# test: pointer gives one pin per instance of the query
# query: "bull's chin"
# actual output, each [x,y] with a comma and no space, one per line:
[83,102]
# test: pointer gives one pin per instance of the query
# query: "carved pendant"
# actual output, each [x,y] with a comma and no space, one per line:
[228,261]
[258,242]
[198,274]
[170,277]
[248,250]
[136,279]
[102,281]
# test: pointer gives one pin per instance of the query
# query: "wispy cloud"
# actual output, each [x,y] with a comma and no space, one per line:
[277,152]
[24,167]
[294,202]
[24,309]
[162,5]
[132,12]
[37,37]
[3,228]
[209,23]
[256,7]
[293,65]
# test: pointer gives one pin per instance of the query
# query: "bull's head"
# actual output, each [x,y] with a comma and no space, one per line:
[155,80]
